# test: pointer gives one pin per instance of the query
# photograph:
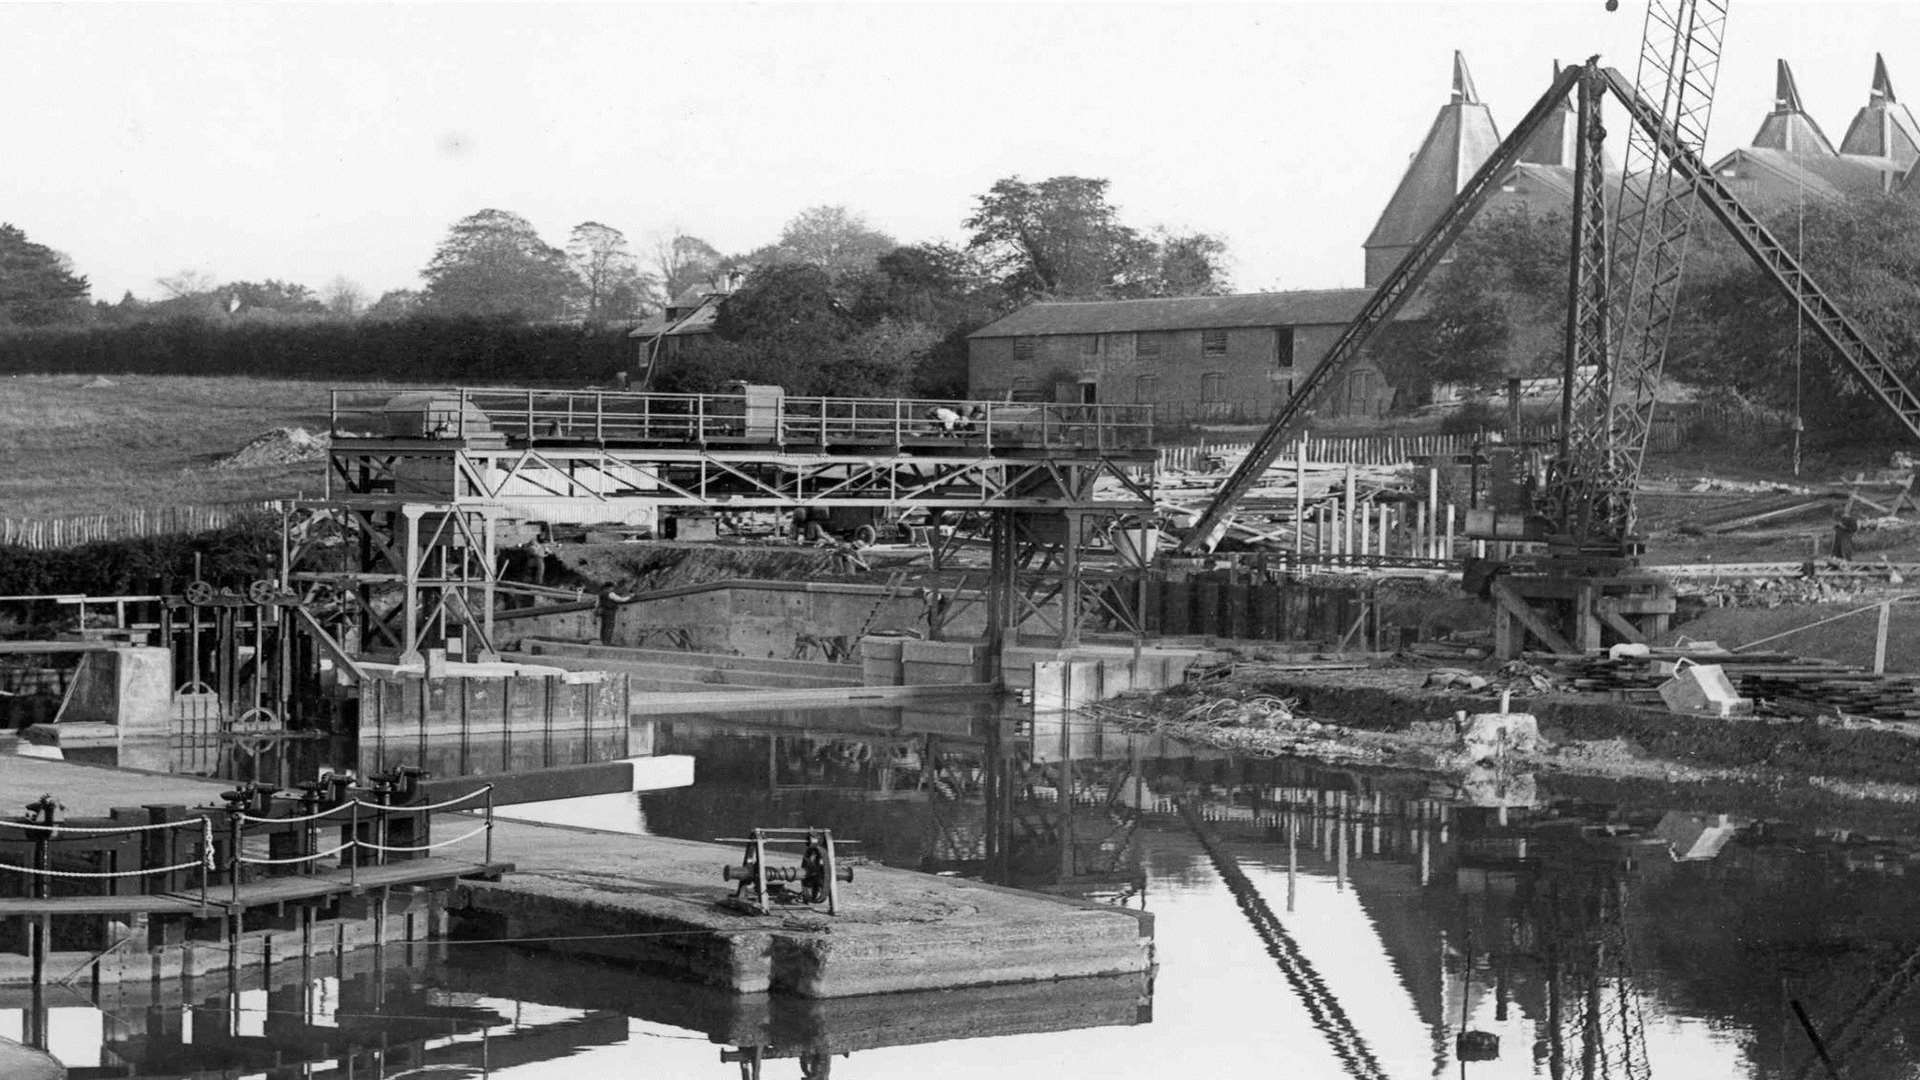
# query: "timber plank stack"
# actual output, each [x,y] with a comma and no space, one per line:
[1779,684]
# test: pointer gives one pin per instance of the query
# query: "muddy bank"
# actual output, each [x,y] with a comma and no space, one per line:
[1385,717]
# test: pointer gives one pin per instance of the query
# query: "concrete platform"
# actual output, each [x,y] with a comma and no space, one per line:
[897,930]
[654,902]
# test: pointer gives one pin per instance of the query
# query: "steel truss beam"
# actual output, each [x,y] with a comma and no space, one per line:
[550,480]
[1865,361]
[442,557]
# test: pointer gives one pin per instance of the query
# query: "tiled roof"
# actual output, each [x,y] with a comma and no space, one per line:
[1883,127]
[1788,127]
[698,321]
[1462,138]
[1300,307]
[1779,174]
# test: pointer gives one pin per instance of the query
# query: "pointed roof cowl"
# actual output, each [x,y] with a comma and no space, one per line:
[1883,127]
[1788,128]
[1461,139]
[1556,141]
[1463,89]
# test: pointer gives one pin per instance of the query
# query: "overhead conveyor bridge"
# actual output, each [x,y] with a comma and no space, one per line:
[543,450]
[423,477]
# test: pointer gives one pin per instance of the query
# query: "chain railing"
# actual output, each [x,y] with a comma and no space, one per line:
[221,855]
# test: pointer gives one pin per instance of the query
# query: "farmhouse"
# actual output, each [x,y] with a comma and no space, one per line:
[687,317]
[1195,358]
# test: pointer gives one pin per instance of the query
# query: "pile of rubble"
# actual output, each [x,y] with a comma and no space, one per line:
[281,446]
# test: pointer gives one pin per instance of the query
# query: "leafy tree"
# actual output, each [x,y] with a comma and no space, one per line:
[278,297]
[1495,310]
[1059,238]
[683,262]
[1740,335]
[396,304]
[1190,264]
[832,238]
[37,284]
[494,263]
[1062,239]
[940,290]
[788,305]
[186,283]
[784,327]
[929,283]
[344,297]
[610,283]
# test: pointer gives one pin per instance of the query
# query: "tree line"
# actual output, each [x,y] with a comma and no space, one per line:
[831,305]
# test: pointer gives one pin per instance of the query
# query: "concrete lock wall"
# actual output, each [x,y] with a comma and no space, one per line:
[770,619]
[130,688]
[766,619]
[457,726]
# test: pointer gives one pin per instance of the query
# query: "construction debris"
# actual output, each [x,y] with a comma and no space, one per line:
[1778,684]
[281,446]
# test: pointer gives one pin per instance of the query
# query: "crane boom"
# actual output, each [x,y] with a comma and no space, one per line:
[1379,308]
[1607,412]
[1879,377]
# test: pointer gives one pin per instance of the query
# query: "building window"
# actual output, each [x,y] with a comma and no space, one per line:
[1025,350]
[1213,386]
[1213,343]
[1283,346]
[1090,345]
[1146,389]
[1147,345]
[1023,389]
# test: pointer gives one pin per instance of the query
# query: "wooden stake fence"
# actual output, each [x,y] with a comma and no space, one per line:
[52,534]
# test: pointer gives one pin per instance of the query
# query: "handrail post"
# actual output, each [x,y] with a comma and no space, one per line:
[488,858]
[529,418]
[234,826]
[206,855]
[352,848]
[599,418]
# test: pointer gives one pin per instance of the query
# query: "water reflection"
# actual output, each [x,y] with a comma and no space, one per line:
[1527,932]
[471,1010]
[1345,921]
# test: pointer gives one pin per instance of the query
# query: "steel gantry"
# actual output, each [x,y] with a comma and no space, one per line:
[421,480]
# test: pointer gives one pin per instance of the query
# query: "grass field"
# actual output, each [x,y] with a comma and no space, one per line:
[73,448]
[145,441]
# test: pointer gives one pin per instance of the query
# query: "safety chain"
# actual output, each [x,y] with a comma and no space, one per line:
[206,860]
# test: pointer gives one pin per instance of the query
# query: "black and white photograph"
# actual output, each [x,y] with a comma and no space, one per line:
[792,540]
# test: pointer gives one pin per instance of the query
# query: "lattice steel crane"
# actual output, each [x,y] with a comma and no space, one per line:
[1624,275]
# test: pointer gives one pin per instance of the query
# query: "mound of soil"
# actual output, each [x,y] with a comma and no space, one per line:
[281,446]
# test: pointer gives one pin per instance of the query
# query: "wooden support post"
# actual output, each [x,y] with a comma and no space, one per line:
[1300,498]
[1433,512]
[1447,535]
[1880,638]
[1346,548]
[1509,602]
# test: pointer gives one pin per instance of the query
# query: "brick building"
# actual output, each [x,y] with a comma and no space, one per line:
[1195,358]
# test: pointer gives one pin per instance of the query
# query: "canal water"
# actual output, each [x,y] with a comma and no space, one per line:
[1309,921]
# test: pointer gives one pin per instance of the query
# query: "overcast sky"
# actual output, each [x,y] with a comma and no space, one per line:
[302,142]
